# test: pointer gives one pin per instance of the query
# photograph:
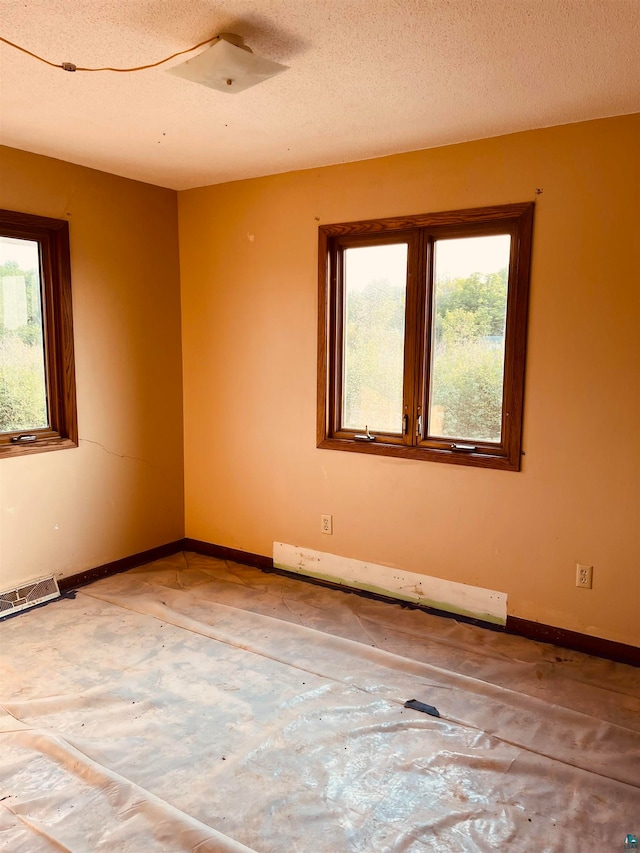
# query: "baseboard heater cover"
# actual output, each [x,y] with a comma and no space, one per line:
[449,596]
[28,595]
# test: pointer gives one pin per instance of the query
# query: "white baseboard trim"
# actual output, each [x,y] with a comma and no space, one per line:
[463,599]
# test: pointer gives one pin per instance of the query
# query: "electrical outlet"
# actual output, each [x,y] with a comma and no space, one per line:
[326,524]
[584,576]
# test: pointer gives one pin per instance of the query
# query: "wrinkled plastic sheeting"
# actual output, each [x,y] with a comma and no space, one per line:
[197,705]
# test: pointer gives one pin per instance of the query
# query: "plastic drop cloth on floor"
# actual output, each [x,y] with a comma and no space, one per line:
[199,705]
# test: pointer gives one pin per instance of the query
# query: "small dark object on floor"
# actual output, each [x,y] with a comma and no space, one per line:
[420,706]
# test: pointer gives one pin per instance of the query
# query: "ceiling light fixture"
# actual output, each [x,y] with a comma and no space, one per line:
[228,66]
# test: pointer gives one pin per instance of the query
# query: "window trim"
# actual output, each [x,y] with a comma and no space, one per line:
[55,272]
[421,231]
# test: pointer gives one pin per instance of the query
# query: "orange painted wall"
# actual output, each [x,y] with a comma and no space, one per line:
[121,491]
[249,312]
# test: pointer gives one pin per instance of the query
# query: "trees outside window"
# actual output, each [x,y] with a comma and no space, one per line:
[422,335]
[37,376]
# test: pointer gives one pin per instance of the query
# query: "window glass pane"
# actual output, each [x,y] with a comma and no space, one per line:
[375,286]
[23,397]
[467,356]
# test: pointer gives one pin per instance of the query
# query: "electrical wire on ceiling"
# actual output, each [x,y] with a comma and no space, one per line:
[69,66]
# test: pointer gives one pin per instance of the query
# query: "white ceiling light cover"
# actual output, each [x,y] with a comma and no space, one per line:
[228,65]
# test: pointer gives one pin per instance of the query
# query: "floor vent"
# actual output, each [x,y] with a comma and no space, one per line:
[22,597]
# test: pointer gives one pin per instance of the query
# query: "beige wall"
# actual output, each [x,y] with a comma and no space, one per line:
[252,472]
[121,491]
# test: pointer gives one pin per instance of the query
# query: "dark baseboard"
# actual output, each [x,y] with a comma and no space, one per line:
[221,552]
[609,649]
[123,565]
[585,643]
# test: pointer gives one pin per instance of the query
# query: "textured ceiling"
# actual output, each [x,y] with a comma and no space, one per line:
[366,78]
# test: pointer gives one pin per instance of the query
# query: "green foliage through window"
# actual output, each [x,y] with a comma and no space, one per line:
[23,403]
[468,357]
[374,335]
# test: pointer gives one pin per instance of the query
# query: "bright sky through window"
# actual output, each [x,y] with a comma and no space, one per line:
[483,253]
[461,258]
[377,263]
[23,252]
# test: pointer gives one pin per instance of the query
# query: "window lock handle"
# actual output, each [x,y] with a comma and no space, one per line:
[25,438]
[467,448]
[366,436]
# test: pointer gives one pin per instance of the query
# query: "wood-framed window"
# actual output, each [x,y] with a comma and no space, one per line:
[422,333]
[37,373]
